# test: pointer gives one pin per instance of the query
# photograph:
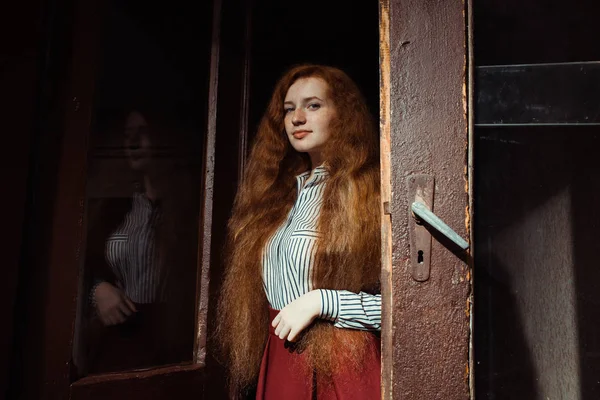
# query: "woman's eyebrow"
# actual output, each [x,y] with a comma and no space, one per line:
[305,100]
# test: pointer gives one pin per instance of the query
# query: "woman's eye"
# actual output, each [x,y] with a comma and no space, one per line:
[314,106]
[288,110]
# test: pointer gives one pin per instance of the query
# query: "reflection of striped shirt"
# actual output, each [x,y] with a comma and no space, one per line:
[289,256]
[130,252]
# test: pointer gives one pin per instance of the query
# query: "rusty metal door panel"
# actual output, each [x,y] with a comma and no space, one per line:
[426,324]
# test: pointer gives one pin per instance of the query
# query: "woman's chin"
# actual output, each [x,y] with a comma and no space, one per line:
[139,164]
[301,147]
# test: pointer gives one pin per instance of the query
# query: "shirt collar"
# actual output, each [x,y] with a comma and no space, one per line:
[319,175]
[141,200]
[321,170]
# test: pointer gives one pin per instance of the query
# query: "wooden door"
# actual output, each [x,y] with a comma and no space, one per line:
[424,152]
[104,60]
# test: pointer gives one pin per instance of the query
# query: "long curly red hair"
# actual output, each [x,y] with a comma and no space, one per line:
[348,256]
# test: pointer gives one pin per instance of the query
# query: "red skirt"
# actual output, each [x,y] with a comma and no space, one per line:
[282,376]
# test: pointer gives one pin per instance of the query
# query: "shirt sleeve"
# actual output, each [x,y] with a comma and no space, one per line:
[351,310]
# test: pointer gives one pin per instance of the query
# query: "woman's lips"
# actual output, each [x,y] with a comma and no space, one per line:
[300,134]
[136,153]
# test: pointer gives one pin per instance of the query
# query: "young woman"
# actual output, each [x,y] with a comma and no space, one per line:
[300,305]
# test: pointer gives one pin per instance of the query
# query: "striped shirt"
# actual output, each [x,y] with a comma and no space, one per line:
[288,261]
[131,252]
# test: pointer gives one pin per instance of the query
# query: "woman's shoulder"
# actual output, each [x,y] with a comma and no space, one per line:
[105,214]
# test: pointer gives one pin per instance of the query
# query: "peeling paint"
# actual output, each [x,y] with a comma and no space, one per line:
[468,308]
[468,217]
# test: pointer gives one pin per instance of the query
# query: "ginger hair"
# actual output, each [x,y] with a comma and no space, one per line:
[348,255]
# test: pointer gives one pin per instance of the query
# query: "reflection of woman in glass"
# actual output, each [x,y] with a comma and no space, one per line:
[300,299]
[130,249]
[143,266]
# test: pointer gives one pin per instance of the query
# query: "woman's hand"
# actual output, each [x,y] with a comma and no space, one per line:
[297,316]
[113,306]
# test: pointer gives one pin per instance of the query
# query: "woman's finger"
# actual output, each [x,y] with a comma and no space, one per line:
[124,309]
[278,329]
[106,319]
[284,332]
[293,335]
[129,303]
[118,316]
[276,320]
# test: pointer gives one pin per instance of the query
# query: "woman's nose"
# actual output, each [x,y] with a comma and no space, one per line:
[299,117]
[131,134]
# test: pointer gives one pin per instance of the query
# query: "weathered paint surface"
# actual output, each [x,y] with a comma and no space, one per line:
[427,120]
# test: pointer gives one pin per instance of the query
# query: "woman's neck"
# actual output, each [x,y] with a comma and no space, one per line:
[154,187]
[316,159]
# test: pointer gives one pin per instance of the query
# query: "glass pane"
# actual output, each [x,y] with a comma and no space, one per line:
[138,286]
[536,275]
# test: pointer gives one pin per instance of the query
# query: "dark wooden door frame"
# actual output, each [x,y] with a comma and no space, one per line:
[387,316]
[424,130]
[49,271]
[21,66]
[182,379]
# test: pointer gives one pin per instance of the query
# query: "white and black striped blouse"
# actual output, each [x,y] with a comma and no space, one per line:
[131,252]
[289,257]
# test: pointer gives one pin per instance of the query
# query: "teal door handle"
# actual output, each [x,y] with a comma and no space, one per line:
[422,212]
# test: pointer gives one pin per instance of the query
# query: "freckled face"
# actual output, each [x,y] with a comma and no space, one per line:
[308,114]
